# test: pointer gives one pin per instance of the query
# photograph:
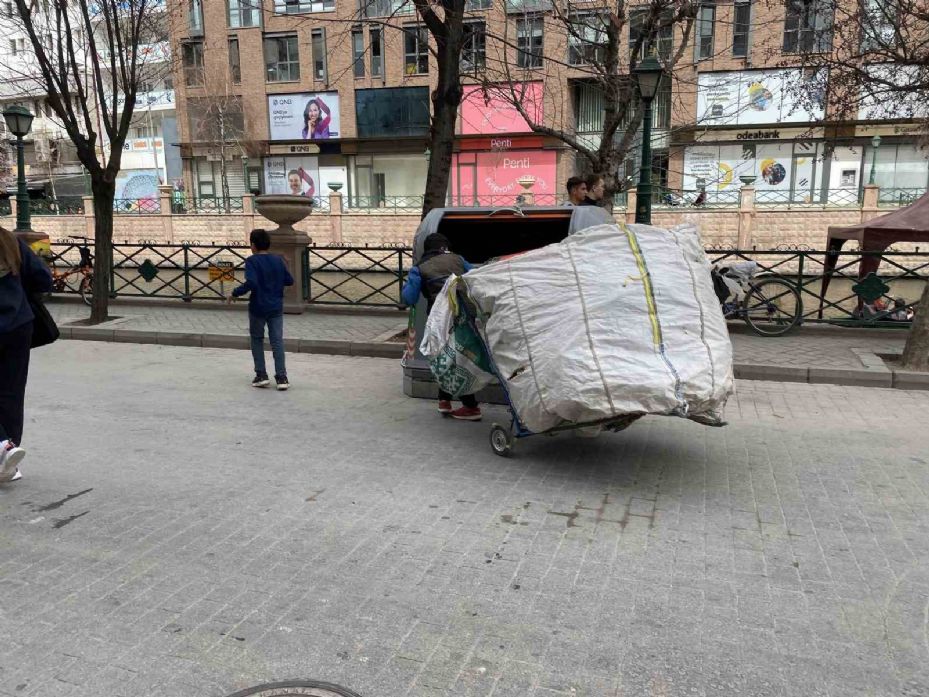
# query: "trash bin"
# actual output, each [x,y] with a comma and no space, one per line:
[479,235]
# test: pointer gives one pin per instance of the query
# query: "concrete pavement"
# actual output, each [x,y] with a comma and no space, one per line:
[813,353]
[180,533]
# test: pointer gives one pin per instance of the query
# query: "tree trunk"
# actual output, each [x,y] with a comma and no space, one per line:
[445,102]
[104,192]
[916,352]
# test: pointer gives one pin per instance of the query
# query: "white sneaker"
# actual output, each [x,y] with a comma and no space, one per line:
[18,475]
[10,457]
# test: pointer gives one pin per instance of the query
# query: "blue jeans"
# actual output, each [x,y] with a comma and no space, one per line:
[256,330]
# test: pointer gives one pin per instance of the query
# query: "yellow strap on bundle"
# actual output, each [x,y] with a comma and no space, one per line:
[647,282]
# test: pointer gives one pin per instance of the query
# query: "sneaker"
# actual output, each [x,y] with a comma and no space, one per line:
[282,382]
[445,407]
[18,475]
[261,381]
[467,414]
[10,457]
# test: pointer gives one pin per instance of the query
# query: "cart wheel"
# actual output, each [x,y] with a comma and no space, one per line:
[501,441]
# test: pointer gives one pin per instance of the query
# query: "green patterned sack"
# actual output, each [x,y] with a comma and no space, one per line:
[462,366]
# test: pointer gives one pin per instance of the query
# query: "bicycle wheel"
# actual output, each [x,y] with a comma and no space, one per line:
[772,307]
[87,290]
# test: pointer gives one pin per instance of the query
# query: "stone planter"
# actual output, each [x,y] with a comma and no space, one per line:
[285,210]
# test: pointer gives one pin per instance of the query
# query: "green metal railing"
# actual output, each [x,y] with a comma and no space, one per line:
[374,276]
[63,205]
[824,197]
[849,299]
[355,275]
[195,204]
[899,197]
[137,206]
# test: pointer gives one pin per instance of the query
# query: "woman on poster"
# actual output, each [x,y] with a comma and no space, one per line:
[296,179]
[315,125]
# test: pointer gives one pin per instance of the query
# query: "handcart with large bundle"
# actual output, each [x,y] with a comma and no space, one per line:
[614,323]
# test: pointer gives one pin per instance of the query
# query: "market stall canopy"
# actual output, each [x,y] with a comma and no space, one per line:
[909,224]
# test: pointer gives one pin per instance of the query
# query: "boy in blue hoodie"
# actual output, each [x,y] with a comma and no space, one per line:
[266,275]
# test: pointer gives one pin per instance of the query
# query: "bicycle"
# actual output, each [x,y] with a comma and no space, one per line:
[769,305]
[84,268]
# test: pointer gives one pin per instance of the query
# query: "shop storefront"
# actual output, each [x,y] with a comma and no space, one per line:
[305,148]
[496,148]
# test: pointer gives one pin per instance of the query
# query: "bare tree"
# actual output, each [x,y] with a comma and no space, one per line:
[586,45]
[86,57]
[219,120]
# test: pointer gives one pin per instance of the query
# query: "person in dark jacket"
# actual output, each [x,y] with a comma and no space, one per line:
[21,273]
[428,278]
[266,275]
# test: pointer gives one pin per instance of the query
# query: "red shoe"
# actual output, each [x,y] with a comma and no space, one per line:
[467,414]
[445,407]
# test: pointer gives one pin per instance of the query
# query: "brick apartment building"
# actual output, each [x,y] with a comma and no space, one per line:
[253,75]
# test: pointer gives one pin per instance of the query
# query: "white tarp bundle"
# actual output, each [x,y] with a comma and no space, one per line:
[614,320]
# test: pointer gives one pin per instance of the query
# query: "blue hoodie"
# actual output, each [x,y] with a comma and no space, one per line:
[34,277]
[265,278]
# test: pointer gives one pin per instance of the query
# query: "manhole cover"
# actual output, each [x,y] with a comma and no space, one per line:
[300,688]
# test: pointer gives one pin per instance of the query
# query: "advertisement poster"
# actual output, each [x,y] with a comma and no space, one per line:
[487,113]
[755,97]
[304,116]
[298,175]
[493,175]
[716,168]
[137,188]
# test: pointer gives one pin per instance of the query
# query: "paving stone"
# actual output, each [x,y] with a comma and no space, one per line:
[308,534]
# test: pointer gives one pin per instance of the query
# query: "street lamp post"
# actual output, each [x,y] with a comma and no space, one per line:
[875,144]
[19,122]
[648,76]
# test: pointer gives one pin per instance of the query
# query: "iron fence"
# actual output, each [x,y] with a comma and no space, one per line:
[138,206]
[840,295]
[899,197]
[355,275]
[378,203]
[674,198]
[63,205]
[374,276]
[182,205]
[5,207]
[797,198]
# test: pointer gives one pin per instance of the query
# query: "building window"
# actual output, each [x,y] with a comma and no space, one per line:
[474,5]
[282,59]
[415,50]
[658,42]
[587,39]
[741,25]
[377,61]
[17,46]
[192,59]
[706,18]
[392,111]
[878,24]
[473,52]
[195,16]
[318,43]
[387,8]
[529,41]
[358,51]
[235,66]
[8,9]
[244,13]
[808,26]
[300,6]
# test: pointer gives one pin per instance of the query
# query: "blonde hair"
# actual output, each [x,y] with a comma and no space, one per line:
[10,258]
